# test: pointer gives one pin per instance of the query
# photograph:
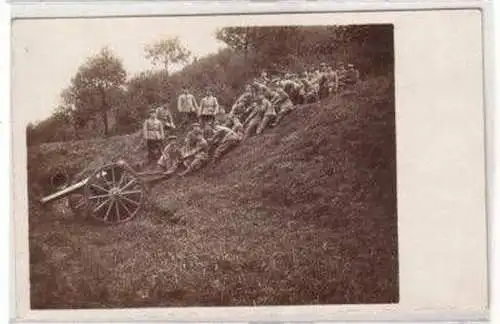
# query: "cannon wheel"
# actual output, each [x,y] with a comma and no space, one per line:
[114,194]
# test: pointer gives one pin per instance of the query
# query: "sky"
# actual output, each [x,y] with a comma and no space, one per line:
[47,53]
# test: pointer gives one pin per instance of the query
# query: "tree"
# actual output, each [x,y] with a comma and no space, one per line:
[167,51]
[269,43]
[95,88]
[237,38]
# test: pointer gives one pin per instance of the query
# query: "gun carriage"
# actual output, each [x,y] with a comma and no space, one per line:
[112,194]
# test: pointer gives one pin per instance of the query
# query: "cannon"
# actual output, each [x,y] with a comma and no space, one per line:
[112,194]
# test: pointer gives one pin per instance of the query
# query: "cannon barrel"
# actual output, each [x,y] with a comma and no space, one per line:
[64,192]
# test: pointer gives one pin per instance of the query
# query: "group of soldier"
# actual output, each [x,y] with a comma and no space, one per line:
[263,104]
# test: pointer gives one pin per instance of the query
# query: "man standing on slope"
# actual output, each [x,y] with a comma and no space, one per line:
[187,106]
[322,81]
[332,80]
[154,135]
[165,116]
[341,72]
[209,107]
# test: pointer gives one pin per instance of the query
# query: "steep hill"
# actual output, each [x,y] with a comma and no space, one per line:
[302,214]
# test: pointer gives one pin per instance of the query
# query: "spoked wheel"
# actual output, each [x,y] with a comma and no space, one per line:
[114,194]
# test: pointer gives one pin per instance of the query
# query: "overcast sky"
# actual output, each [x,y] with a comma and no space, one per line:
[47,53]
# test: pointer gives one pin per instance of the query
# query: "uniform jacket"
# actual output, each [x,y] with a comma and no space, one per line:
[186,103]
[331,78]
[209,106]
[164,115]
[228,134]
[267,107]
[201,146]
[153,129]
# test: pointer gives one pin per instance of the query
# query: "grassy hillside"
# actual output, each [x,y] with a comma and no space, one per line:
[302,214]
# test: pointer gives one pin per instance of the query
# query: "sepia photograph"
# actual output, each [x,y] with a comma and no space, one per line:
[199,164]
[205,164]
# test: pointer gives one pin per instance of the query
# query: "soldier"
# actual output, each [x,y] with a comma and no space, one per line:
[256,115]
[165,116]
[292,88]
[187,106]
[209,107]
[226,138]
[208,131]
[315,74]
[269,114]
[284,104]
[243,103]
[263,78]
[195,154]
[309,90]
[195,128]
[332,80]
[170,156]
[260,88]
[351,76]
[341,71]
[154,134]
[322,81]
[172,153]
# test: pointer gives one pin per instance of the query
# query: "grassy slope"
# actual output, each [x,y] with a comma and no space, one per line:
[303,214]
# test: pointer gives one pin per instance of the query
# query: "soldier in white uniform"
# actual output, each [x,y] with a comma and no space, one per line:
[209,107]
[332,80]
[165,116]
[154,135]
[187,106]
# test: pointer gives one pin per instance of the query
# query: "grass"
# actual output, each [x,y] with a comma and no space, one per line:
[302,214]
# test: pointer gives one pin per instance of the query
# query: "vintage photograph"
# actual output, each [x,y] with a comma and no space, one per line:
[184,162]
